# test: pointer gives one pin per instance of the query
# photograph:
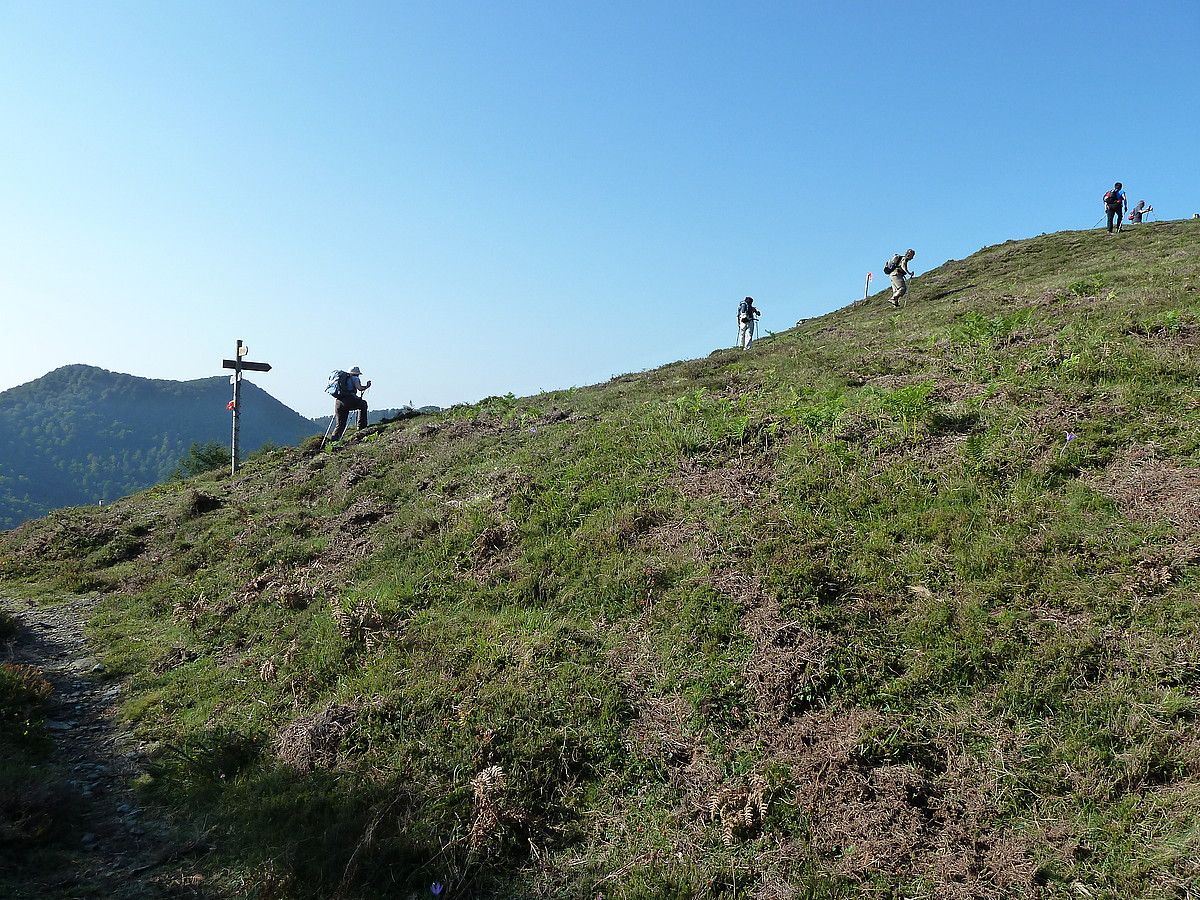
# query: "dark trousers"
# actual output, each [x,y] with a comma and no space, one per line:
[1113,213]
[341,412]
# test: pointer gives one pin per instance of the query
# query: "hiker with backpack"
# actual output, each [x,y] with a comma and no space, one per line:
[345,387]
[1135,214]
[747,318]
[897,268]
[1114,206]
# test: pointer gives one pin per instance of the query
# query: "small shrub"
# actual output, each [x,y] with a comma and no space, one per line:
[201,458]
[197,503]
[817,415]
[32,808]
[23,689]
[261,453]
[723,417]
[8,627]
[974,328]
[907,405]
[1089,286]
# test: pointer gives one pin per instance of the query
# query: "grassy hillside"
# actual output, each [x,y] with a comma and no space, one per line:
[898,603]
[82,434]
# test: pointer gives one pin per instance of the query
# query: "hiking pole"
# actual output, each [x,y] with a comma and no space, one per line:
[328,431]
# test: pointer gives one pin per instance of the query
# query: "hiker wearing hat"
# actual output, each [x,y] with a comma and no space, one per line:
[747,318]
[1115,205]
[897,268]
[1135,214]
[346,397]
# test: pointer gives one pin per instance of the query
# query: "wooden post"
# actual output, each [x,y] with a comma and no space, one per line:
[867,286]
[238,364]
[237,408]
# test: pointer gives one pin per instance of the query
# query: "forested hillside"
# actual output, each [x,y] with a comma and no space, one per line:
[81,435]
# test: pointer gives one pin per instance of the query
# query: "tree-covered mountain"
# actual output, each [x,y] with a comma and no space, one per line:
[82,434]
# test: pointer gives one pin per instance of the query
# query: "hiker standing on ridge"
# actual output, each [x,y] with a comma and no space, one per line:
[1115,205]
[897,268]
[747,318]
[1135,214]
[346,387]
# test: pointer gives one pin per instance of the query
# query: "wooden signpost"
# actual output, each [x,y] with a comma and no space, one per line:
[238,364]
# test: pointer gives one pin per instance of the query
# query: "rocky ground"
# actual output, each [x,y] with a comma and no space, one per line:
[117,847]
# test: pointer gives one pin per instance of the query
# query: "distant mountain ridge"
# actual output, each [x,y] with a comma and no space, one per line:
[82,434]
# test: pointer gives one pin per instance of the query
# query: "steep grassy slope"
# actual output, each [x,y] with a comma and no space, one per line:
[898,603]
[82,434]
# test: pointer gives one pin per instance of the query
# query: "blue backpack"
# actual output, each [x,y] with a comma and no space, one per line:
[339,384]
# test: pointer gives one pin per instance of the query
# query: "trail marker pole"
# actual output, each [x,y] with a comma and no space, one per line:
[238,364]
[867,286]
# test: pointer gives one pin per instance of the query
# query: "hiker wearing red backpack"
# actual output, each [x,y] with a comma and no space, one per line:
[1114,206]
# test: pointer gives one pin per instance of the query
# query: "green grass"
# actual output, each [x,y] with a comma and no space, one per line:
[824,615]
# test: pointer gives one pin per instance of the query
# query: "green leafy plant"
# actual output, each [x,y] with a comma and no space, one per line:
[201,459]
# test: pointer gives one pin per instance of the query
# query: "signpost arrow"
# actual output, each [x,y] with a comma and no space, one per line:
[238,364]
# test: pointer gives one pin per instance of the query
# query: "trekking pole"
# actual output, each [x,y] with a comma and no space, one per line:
[328,431]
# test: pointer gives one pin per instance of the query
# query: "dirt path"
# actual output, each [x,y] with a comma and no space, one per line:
[117,848]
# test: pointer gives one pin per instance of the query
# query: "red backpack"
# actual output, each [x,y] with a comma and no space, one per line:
[1112,200]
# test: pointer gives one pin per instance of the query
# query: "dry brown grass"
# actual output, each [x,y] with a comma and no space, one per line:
[314,741]
[1148,488]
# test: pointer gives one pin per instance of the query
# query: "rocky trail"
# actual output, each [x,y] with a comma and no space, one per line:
[115,846]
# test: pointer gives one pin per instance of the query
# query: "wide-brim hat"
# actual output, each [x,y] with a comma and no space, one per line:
[356,371]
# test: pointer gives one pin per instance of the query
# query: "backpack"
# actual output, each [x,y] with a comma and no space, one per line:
[891,265]
[339,384]
[1112,200]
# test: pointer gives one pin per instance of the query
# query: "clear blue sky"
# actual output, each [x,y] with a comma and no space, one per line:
[471,198]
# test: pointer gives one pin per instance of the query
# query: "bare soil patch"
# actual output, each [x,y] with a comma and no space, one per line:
[926,816]
[737,480]
[1148,488]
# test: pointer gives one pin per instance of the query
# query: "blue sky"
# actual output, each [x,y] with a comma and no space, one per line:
[473,198]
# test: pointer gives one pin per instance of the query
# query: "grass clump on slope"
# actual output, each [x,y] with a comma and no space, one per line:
[898,602]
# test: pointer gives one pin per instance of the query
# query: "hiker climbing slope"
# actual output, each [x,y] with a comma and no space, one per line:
[346,388]
[897,269]
[1114,206]
[747,318]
